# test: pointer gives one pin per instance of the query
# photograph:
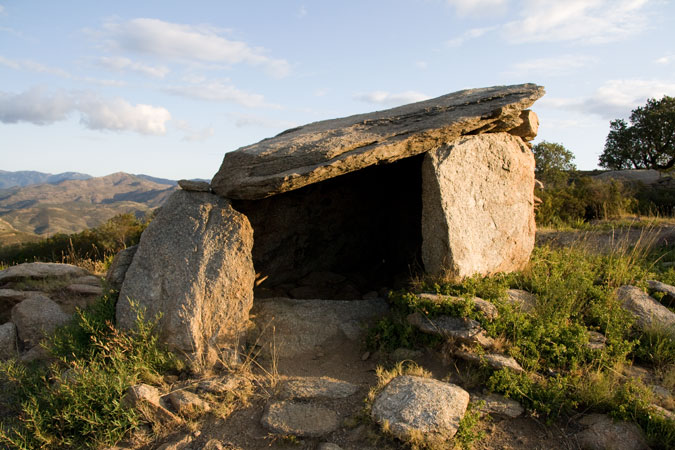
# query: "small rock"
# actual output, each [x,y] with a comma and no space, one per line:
[596,341]
[648,312]
[316,387]
[416,405]
[667,290]
[466,331]
[36,353]
[38,270]
[221,385]
[186,403]
[8,348]
[526,301]
[177,444]
[120,265]
[401,354]
[91,280]
[85,289]
[213,444]
[498,405]
[328,446]
[528,129]
[365,356]
[488,309]
[37,317]
[145,399]
[494,360]
[299,419]
[605,434]
[195,186]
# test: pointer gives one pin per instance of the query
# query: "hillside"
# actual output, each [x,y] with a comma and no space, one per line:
[28,177]
[73,205]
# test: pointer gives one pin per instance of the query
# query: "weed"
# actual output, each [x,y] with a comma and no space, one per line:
[469,431]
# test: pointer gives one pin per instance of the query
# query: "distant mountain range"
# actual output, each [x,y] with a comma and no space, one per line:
[30,211]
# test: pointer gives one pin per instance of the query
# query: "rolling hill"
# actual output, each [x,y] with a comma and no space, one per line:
[28,177]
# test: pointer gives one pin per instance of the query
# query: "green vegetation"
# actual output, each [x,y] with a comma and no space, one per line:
[76,401]
[89,248]
[575,295]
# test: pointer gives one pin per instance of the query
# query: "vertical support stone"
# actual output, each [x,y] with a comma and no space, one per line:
[478,206]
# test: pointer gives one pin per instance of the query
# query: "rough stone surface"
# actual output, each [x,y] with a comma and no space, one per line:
[478,206]
[193,264]
[91,280]
[9,298]
[316,387]
[186,403]
[194,186]
[302,325]
[299,419]
[38,270]
[466,331]
[145,399]
[8,347]
[415,404]
[328,446]
[488,309]
[596,341]
[667,290]
[494,360]
[647,311]
[36,353]
[498,405]
[525,301]
[84,289]
[322,150]
[120,265]
[605,434]
[528,129]
[221,385]
[36,317]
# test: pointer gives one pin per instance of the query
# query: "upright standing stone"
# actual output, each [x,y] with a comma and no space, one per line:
[193,265]
[478,206]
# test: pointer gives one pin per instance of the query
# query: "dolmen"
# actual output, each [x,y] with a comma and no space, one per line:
[441,187]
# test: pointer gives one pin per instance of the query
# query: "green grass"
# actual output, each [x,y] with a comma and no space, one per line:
[575,294]
[76,401]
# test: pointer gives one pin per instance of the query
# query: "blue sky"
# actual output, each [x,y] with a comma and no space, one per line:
[167,88]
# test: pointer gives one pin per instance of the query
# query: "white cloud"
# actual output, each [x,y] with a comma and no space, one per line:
[302,12]
[220,92]
[473,33]
[615,98]
[557,65]
[247,120]
[665,59]
[422,65]
[192,134]
[189,43]
[391,99]
[2,9]
[40,107]
[478,7]
[125,64]
[587,21]
[32,66]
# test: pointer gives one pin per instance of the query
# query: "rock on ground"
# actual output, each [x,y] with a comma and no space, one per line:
[494,360]
[38,270]
[8,348]
[413,405]
[35,318]
[84,289]
[316,387]
[488,309]
[525,301]
[667,290]
[186,403]
[9,298]
[193,265]
[605,434]
[648,312]
[478,206]
[466,331]
[120,265]
[498,405]
[322,150]
[145,399]
[299,419]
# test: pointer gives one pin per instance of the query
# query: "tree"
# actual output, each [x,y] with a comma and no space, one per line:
[647,143]
[553,163]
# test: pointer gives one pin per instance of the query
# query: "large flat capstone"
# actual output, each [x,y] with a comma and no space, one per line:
[193,265]
[326,149]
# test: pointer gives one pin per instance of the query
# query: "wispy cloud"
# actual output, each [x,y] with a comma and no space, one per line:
[302,12]
[33,66]
[557,65]
[218,91]
[248,120]
[665,59]
[468,35]
[390,98]
[192,134]
[478,7]
[121,64]
[178,42]
[41,107]
[615,98]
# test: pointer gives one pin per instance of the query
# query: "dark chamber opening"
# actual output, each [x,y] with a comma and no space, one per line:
[342,237]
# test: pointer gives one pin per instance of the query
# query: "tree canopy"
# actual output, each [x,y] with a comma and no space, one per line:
[553,163]
[647,143]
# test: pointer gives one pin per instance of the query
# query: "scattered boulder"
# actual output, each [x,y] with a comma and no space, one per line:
[194,185]
[8,347]
[462,329]
[145,399]
[525,301]
[35,318]
[648,312]
[488,309]
[186,403]
[39,270]
[413,405]
[327,149]
[494,360]
[204,293]
[299,419]
[667,290]
[316,387]
[498,405]
[596,341]
[478,206]
[120,265]
[605,434]
[328,446]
